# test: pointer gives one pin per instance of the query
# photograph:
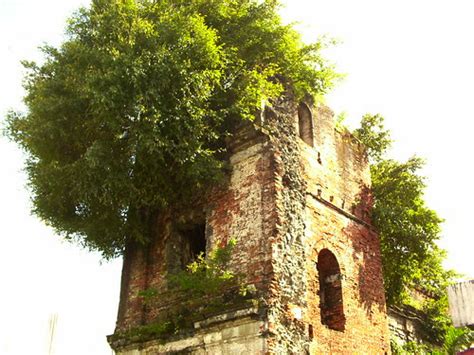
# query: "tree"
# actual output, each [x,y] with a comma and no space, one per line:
[408,231]
[128,116]
[373,134]
[408,228]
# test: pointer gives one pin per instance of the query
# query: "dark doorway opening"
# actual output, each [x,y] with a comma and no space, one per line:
[193,243]
[330,291]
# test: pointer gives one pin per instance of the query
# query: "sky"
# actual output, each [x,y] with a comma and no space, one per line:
[411,61]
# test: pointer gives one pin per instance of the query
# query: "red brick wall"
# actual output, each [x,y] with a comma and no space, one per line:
[243,209]
[338,206]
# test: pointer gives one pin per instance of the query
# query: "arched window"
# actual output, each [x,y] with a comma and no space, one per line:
[305,124]
[330,291]
[193,243]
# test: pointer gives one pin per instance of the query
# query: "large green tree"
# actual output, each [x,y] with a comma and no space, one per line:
[128,116]
[409,230]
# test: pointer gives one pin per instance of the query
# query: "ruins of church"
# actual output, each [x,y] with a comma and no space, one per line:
[297,203]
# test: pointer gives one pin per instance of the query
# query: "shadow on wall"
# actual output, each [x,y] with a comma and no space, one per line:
[366,254]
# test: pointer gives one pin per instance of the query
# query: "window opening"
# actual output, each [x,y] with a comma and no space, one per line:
[193,243]
[330,291]
[305,124]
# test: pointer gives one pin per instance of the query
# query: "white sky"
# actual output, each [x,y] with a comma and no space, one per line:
[411,61]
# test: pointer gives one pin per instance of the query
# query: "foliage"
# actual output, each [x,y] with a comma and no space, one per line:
[432,277]
[439,327]
[207,277]
[408,348]
[438,323]
[458,339]
[373,135]
[412,347]
[148,332]
[434,280]
[408,230]
[339,121]
[395,347]
[149,294]
[206,284]
[206,287]
[128,116]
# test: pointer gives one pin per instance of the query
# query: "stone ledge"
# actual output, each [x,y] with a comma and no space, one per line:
[226,317]
[232,332]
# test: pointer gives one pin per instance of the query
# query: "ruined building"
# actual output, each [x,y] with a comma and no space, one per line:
[297,202]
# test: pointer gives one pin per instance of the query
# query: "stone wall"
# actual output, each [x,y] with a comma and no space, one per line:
[285,201]
[288,257]
[230,333]
[406,325]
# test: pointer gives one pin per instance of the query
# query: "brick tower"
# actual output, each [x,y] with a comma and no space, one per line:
[297,202]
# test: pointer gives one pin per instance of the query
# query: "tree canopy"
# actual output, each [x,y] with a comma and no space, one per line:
[408,228]
[128,116]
